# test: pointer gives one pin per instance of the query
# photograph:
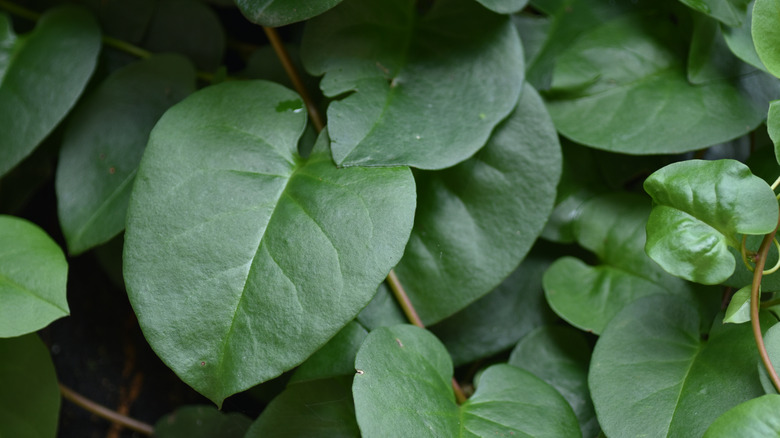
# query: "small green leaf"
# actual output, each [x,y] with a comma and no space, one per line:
[653,375]
[30,399]
[103,143]
[700,208]
[766,33]
[403,389]
[336,358]
[237,259]
[757,418]
[33,277]
[740,40]
[739,307]
[773,126]
[41,77]
[560,356]
[504,6]
[709,58]
[312,409]
[730,12]
[390,64]
[476,221]
[275,13]
[201,422]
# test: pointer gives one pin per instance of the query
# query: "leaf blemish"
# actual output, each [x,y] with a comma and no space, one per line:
[359,371]
[112,170]
[202,363]
[398,341]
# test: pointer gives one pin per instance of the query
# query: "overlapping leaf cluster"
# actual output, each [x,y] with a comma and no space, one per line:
[459,135]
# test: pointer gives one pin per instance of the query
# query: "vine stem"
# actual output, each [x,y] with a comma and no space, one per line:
[104,412]
[755,287]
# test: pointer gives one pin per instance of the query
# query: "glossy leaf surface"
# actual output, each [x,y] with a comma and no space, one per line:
[755,418]
[314,409]
[391,64]
[33,277]
[653,375]
[766,33]
[622,86]
[103,144]
[403,388]
[42,75]
[476,221]
[560,356]
[237,260]
[275,13]
[612,227]
[739,307]
[30,399]
[201,422]
[730,12]
[700,207]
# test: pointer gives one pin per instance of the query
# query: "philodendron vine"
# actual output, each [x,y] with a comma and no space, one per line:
[411,218]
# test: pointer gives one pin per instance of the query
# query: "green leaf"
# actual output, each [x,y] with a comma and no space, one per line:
[201,422]
[755,418]
[476,221]
[612,226]
[237,259]
[730,12]
[41,77]
[312,409]
[403,388]
[739,307]
[33,277]
[504,6]
[336,358]
[709,58]
[740,40]
[766,33]
[560,355]
[772,345]
[773,126]
[30,399]
[275,13]
[622,86]
[399,72]
[103,143]
[700,207]
[652,375]
[383,310]
[499,319]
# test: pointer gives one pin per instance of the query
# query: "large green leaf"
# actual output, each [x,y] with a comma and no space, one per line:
[560,355]
[33,277]
[612,226]
[312,409]
[476,221]
[201,422]
[103,144]
[622,86]
[757,418]
[399,71]
[403,389]
[30,399]
[241,258]
[766,33]
[730,12]
[499,319]
[653,375]
[699,209]
[41,76]
[275,13]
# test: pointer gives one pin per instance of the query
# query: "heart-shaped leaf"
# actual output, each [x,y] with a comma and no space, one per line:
[275,13]
[653,375]
[613,227]
[103,144]
[476,221]
[739,307]
[392,65]
[730,12]
[237,259]
[403,388]
[201,422]
[560,355]
[622,86]
[30,399]
[33,277]
[699,208]
[755,418]
[42,75]
[766,33]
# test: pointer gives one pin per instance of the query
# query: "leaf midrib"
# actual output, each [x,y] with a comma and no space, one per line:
[17,286]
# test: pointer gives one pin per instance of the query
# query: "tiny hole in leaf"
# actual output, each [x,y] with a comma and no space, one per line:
[202,363]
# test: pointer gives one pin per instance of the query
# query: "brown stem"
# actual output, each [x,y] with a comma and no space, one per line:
[292,73]
[755,287]
[104,412]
